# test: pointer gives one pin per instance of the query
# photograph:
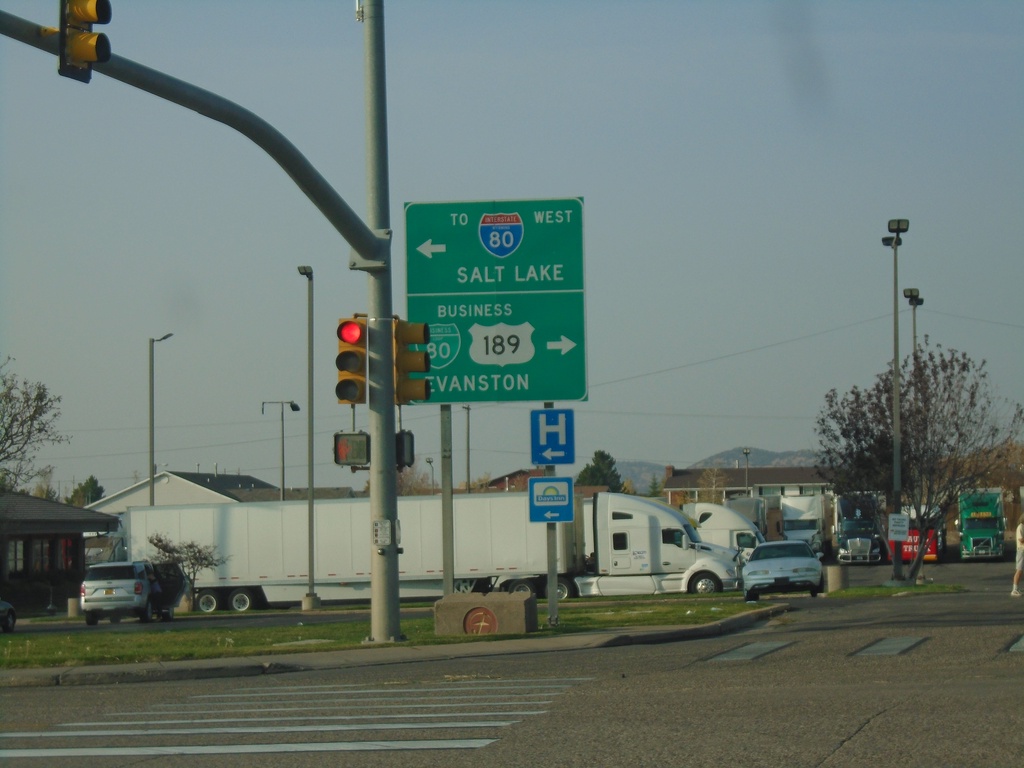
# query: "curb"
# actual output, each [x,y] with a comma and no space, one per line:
[206,669]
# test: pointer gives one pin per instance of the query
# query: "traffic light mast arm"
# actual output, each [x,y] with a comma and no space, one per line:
[370,248]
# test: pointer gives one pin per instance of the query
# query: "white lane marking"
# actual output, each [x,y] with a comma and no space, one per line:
[263,729]
[251,749]
[310,718]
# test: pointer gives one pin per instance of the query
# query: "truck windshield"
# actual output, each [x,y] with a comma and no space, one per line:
[858,526]
[800,525]
[980,524]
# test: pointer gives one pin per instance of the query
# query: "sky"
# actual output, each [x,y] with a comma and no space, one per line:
[738,164]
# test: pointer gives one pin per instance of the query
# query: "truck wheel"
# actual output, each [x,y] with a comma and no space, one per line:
[91,618]
[563,589]
[522,586]
[207,601]
[704,583]
[240,600]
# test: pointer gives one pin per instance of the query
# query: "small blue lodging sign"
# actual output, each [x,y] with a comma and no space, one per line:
[551,499]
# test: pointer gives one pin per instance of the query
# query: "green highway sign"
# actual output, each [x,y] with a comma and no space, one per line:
[500,283]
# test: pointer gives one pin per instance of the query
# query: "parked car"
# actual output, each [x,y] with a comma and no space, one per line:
[782,566]
[7,616]
[143,589]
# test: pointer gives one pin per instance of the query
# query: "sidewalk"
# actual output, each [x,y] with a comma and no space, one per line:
[251,666]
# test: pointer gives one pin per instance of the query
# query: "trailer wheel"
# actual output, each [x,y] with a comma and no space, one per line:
[240,600]
[522,586]
[704,583]
[207,601]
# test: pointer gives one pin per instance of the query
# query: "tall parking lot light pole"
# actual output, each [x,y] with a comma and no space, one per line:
[896,227]
[294,406]
[152,447]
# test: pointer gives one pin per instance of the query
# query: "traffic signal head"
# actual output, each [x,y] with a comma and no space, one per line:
[351,360]
[79,46]
[409,361]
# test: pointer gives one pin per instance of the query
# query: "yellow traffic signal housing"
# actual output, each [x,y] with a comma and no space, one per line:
[409,361]
[79,46]
[351,360]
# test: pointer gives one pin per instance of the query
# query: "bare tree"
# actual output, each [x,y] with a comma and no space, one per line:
[955,436]
[712,486]
[191,556]
[28,418]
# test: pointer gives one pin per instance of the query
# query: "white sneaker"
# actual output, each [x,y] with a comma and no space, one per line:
[1015,593]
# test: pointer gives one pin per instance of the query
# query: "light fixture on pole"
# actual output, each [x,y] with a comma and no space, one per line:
[746,471]
[896,228]
[914,297]
[152,449]
[430,462]
[294,406]
[311,600]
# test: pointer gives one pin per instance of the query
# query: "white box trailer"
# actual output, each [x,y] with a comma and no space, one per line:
[618,544]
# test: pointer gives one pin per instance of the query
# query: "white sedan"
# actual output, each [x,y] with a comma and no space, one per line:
[782,566]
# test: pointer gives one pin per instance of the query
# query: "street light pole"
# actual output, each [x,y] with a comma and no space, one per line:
[430,462]
[294,406]
[311,600]
[152,447]
[746,471]
[914,297]
[897,227]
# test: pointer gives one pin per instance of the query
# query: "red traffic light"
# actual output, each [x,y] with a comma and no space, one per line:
[351,332]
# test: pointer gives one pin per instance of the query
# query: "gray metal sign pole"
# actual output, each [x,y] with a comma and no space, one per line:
[549,471]
[447,502]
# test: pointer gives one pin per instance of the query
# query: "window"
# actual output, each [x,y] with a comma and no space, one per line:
[620,542]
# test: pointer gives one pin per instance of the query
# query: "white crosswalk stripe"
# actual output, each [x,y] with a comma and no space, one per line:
[276,713]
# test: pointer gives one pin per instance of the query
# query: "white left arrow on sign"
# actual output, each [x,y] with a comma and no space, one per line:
[428,248]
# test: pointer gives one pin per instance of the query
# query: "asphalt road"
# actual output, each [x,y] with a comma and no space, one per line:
[931,680]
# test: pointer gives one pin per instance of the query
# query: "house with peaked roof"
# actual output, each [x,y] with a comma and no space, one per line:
[172,488]
[682,485]
[41,538]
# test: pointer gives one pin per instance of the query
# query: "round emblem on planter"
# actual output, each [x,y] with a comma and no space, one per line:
[480,621]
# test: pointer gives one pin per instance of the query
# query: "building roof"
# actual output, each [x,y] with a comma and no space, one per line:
[228,485]
[23,514]
[689,477]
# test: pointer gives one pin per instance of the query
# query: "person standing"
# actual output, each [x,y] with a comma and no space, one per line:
[1020,559]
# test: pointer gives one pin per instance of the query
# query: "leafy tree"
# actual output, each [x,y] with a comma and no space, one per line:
[28,418]
[191,556]
[954,436]
[601,471]
[86,493]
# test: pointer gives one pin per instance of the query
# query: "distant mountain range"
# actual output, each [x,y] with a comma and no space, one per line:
[641,473]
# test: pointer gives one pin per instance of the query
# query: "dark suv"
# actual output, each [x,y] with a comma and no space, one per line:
[143,589]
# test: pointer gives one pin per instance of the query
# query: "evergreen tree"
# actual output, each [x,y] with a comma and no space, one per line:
[601,471]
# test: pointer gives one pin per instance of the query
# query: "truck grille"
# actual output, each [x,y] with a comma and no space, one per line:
[860,547]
